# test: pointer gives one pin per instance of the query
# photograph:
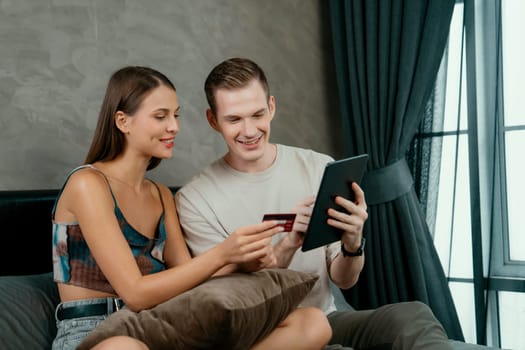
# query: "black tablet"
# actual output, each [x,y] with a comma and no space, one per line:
[336,181]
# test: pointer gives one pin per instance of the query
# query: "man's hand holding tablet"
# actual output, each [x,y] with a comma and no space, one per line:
[337,180]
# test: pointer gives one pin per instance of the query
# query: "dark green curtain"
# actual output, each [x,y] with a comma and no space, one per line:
[387,54]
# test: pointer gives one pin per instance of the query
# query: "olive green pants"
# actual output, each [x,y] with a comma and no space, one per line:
[399,326]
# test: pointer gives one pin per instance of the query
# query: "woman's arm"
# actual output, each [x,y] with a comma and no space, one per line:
[88,199]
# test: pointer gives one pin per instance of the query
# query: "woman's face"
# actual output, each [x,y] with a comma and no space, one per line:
[151,131]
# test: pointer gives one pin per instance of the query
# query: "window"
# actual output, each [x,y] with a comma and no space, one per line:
[474,132]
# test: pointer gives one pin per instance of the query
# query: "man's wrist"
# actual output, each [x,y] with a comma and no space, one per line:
[288,243]
[358,252]
[284,251]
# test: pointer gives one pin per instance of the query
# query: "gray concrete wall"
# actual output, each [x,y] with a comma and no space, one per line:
[56,57]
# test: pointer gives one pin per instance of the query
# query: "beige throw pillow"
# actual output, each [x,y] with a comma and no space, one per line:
[227,312]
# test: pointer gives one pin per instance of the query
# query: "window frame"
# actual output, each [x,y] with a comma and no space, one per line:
[502,264]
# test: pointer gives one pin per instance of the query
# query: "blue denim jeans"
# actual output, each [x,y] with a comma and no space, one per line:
[71,332]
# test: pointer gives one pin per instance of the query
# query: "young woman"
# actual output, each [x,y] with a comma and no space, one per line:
[116,237]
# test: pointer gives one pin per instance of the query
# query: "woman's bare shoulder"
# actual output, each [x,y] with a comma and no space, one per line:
[86,179]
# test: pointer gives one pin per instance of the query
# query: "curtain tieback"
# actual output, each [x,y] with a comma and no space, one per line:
[388,183]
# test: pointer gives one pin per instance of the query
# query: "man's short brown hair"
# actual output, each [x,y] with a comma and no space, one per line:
[233,73]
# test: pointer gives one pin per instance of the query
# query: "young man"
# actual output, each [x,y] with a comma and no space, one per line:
[256,177]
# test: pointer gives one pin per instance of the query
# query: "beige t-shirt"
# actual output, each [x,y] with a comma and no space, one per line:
[221,199]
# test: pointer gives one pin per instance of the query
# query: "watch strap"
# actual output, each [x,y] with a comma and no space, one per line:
[358,252]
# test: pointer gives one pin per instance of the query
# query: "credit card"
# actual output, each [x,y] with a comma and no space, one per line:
[285,220]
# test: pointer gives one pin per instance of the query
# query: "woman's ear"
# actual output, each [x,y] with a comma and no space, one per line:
[121,122]
[212,120]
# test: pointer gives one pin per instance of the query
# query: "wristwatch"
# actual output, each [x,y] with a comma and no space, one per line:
[359,251]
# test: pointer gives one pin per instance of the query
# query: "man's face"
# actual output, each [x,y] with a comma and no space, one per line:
[243,118]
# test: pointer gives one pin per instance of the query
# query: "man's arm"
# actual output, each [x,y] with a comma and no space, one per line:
[344,270]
